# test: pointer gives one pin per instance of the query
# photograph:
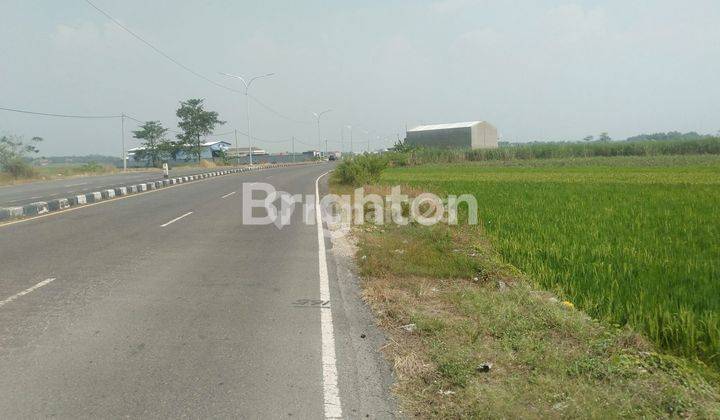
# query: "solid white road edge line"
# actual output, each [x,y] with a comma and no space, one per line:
[228,195]
[177,218]
[26,291]
[331,392]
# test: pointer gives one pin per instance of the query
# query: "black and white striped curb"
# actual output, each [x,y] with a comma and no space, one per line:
[42,207]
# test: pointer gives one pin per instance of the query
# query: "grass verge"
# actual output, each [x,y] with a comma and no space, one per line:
[469,338]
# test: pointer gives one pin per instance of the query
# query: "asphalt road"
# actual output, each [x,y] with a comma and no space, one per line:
[19,195]
[201,317]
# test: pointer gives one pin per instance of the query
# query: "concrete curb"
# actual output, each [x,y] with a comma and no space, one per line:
[78,200]
[43,207]
[10,212]
[93,197]
[59,204]
[34,209]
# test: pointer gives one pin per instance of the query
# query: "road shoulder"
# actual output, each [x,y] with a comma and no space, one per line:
[365,376]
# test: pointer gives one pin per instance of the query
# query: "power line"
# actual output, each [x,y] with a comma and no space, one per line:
[188,69]
[158,50]
[143,122]
[303,143]
[278,113]
[244,134]
[48,114]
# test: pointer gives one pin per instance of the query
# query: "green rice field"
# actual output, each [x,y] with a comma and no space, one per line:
[630,240]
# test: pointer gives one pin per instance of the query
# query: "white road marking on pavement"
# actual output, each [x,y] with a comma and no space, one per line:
[35,198]
[331,392]
[75,185]
[228,195]
[26,291]
[177,218]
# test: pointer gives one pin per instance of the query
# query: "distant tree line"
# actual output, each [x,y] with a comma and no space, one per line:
[670,135]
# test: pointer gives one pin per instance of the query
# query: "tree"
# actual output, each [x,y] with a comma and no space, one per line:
[195,123]
[223,156]
[14,155]
[154,143]
[604,137]
[171,149]
[403,146]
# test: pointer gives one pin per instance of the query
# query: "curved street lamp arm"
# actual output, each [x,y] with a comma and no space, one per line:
[258,77]
[320,114]
[237,77]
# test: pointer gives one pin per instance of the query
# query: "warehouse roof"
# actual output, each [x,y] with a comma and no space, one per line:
[444,126]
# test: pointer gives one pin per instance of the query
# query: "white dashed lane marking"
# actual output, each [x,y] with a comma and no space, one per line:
[177,218]
[26,291]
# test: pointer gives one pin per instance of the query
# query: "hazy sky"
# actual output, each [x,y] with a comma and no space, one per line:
[536,69]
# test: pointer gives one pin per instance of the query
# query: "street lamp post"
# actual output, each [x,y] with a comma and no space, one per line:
[317,117]
[351,140]
[367,136]
[237,150]
[124,152]
[247,104]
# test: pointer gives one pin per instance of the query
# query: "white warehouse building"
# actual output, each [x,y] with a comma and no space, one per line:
[472,134]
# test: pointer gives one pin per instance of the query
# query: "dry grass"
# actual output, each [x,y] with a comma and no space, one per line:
[450,307]
[46,173]
[207,164]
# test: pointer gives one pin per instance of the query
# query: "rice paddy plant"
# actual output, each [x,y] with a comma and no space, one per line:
[630,241]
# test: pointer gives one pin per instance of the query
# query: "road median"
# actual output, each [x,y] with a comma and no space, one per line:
[44,207]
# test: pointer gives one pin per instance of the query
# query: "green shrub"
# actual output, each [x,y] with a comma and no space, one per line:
[360,170]
[18,168]
[14,154]
[91,167]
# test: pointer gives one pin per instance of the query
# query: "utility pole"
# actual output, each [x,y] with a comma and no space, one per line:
[342,139]
[351,143]
[367,136]
[237,150]
[326,150]
[293,148]
[124,152]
